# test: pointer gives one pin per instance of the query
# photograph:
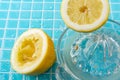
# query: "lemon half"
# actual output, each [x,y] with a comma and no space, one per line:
[33,53]
[85,15]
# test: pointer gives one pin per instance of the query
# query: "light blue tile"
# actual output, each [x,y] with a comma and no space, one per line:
[6,54]
[15,76]
[57,15]
[116,16]
[44,77]
[54,67]
[4,6]
[6,0]
[57,6]
[26,6]
[24,24]
[27,77]
[0,54]
[55,43]
[16,0]
[15,6]
[57,24]
[53,77]
[49,6]
[1,33]
[2,23]
[108,25]
[48,0]
[48,24]
[10,33]
[115,7]
[110,15]
[8,44]
[38,0]
[12,23]
[37,6]
[112,1]
[57,33]
[3,14]
[20,31]
[14,15]
[4,76]
[117,27]
[0,43]
[36,15]
[12,70]
[49,32]
[48,71]
[4,66]
[25,15]
[48,14]
[58,0]
[35,24]
[27,0]
[118,31]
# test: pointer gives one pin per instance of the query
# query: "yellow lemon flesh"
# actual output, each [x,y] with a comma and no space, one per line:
[33,53]
[85,15]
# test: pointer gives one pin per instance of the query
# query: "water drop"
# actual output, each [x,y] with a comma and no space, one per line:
[108,72]
[80,65]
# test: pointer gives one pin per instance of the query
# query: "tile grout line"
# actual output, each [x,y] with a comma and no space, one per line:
[23,77]
[16,34]
[42,20]
[30,10]
[53,37]
[18,21]
[27,28]
[17,73]
[41,25]
[45,2]
[13,39]
[111,14]
[2,46]
[32,19]
[31,14]
[5,33]
[17,29]
[34,2]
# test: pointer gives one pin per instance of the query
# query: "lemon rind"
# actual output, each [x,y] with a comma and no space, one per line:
[89,27]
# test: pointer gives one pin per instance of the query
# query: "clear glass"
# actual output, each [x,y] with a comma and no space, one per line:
[90,56]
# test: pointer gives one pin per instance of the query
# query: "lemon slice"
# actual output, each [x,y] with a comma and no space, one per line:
[33,52]
[85,15]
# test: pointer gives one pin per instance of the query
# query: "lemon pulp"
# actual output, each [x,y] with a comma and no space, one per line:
[84,11]
[29,50]
[33,53]
[85,15]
